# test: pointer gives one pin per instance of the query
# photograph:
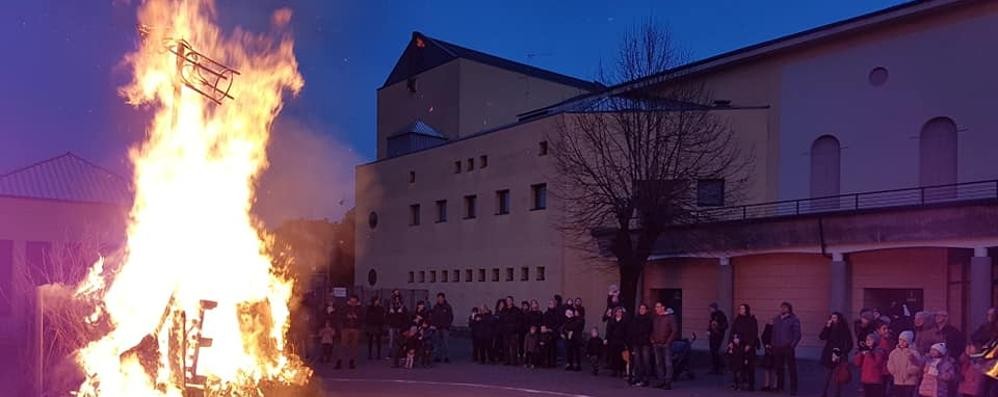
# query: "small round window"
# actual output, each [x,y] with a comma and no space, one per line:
[372,277]
[878,76]
[372,220]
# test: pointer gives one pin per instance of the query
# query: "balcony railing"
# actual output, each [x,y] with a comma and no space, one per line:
[909,197]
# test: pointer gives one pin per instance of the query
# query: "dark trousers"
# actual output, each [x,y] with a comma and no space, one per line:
[785,359]
[327,352]
[715,353]
[512,348]
[573,353]
[480,350]
[873,390]
[373,342]
[594,362]
[903,391]
[641,359]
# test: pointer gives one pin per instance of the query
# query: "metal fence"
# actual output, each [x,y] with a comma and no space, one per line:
[910,197]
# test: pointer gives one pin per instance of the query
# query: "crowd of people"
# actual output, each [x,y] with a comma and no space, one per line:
[896,353]
[904,355]
[415,337]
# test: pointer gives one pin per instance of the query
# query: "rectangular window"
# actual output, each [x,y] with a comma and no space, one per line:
[481,275]
[441,210]
[456,276]
[412,277]
[539,196]
[444,276]
[38,258]
[509,274]
[710,192]
[433,276]
[524,273]
[457,167]
[422,276]
[6,276]
[483,161]
[542,148]
[469,275]
[414,215]
[495,274]
[412,176]
[471,164]
[502,202]
[540,273]
[470,210]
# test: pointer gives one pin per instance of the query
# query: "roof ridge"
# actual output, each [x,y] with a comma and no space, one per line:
[99,167]
[450,49]
[35,164]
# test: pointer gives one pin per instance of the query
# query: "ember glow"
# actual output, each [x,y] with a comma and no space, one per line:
[191,237]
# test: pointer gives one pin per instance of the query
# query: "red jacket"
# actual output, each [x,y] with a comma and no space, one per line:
[872,364]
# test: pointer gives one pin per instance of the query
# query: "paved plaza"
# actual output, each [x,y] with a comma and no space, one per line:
[464,378]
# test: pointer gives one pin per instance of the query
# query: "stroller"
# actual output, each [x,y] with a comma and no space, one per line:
[682,353]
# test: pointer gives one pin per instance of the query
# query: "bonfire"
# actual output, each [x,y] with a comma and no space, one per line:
[196,305]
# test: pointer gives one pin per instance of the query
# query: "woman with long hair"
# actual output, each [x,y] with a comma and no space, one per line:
[746,327]
[838,344]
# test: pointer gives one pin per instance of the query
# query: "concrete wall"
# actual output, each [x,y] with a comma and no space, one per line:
[436,102]
[492,97]
[940,66]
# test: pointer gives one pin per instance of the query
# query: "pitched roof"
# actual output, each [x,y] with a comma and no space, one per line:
[420,127]
[67,178]
[424,53]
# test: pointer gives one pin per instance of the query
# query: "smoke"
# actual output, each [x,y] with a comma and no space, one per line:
[311,176]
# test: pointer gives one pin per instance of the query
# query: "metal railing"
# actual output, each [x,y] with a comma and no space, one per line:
[908,197]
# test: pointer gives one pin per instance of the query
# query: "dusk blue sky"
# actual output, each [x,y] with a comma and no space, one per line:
[60,67]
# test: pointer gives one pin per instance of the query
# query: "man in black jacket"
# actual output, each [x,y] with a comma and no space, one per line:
[716,330]
[398,321]
[351,321]
[441,318]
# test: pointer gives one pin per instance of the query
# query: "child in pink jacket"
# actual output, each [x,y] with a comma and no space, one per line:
[938,373]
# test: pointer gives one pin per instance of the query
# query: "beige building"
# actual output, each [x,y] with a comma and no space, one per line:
[873,180]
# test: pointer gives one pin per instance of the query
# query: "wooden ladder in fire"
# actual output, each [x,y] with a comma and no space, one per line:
[194,384]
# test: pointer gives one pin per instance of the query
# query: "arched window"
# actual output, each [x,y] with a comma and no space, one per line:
[825,172]
[937,152]
[825,166]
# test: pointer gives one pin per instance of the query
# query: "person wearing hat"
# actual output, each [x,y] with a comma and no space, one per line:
[905,365]
[716,330]
[938,373]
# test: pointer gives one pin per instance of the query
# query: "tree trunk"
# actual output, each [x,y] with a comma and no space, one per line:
[630,274]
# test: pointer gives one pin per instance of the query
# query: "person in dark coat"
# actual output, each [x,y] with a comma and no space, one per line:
[786,337]
[639,344]
[594,349]
[499,335]
[616,340]
[476,326]
[374,327]
[717,328]
[510,322]
[489,330]
[351,321]
[956,343]
[441,319]
[571,332]
[534,317]
[747,328]
[398,321]
[988,331]
[838,344]
[580,311]
[420,314]
[522,330]
[552,320]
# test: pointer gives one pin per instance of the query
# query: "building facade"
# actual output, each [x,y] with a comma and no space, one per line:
[872,180]
[56,217]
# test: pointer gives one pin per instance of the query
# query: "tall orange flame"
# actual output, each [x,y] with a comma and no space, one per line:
[191,236]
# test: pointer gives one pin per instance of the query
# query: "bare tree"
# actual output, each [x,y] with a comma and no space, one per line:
[628,161]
